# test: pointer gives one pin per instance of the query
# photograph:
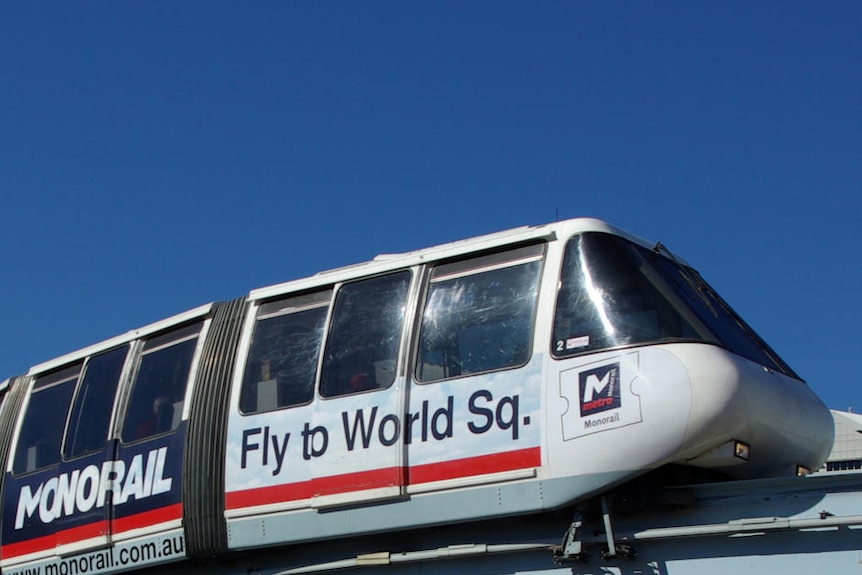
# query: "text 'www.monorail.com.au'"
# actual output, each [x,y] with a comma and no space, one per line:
[100,561]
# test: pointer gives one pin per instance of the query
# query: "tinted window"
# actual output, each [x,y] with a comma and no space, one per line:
[610,296]
[91,412]
[42,429]
[156,400]
[285,347]
[614,292]
[479,314]
[367,322]
[717,315]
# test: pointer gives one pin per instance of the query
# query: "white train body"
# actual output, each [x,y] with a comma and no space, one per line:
[504,375]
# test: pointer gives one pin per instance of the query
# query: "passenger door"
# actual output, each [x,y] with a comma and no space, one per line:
[88,448]
[147,487]
[356,442]
[476,406]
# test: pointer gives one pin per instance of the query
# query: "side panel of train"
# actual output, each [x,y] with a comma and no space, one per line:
[452,384]
[468,412]
[98,450]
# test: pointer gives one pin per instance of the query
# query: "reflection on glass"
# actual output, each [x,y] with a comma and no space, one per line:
[614,293]
[282,361]
[478,322]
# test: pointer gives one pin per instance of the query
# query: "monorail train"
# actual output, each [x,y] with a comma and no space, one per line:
[508,374]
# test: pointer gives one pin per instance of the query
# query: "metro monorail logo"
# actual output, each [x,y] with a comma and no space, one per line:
[600,389]
[83,489]
[600,396]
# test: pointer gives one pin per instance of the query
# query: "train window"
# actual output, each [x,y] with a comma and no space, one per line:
[285,346]
[362,348]
[42,429]
[91,410]
[156,399]
[717,315]
[479,315]
[609,295]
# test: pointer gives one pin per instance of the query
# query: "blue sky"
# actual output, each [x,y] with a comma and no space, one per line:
[155,156]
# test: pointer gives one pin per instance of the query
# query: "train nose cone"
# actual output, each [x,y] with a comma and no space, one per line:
[782,421]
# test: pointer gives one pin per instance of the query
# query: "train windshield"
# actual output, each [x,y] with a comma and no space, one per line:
[614,293]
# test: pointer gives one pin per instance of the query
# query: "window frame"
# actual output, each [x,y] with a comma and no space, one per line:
[68,374]
[154,343]
[405,327]
[503,257]
[118,389]
[326,299]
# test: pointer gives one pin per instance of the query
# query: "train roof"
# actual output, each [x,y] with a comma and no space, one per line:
[186,316]
[379,264]
[386,262]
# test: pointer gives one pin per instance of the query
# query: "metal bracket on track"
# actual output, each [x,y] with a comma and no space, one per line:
[572,549]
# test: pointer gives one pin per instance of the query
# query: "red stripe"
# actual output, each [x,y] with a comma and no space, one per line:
[389,476]
[266,495]
[147,518]
[29,546]
[330,485]
[481,465]
[91,530]
[386,477]
[51,541]
[76,534]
